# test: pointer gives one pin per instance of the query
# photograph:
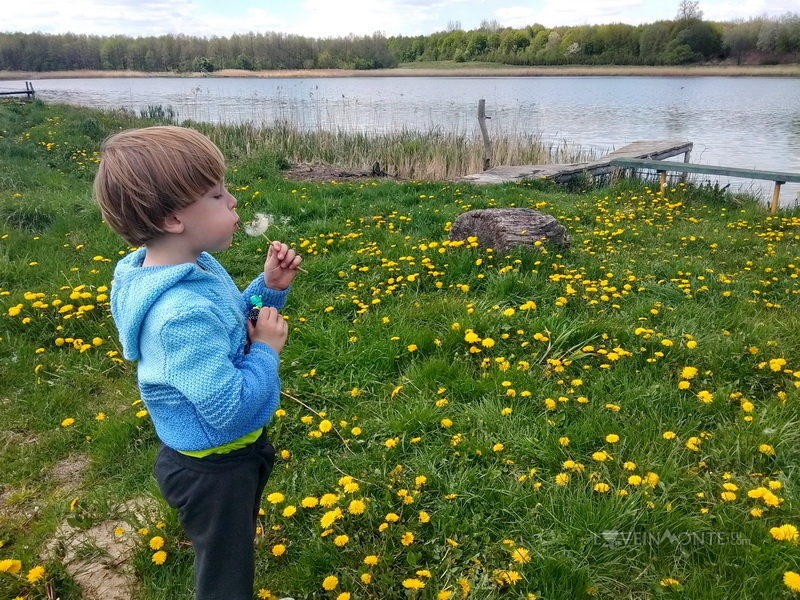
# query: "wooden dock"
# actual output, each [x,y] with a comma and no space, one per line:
[28,92]
[645,149]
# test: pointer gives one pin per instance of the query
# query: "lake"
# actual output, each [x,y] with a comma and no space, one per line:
[747,122]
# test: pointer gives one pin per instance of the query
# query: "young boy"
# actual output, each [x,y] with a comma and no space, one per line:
[180,315]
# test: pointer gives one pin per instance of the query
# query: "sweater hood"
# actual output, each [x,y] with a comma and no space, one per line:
[134,291]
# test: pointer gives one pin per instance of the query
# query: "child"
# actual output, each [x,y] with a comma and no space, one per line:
[180,315]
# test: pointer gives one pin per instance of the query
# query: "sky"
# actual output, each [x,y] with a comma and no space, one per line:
[335,18]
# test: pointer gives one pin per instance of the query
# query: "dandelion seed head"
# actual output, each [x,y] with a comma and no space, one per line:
[259,225]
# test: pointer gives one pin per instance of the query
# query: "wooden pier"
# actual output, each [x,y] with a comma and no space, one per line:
[645,149]
[28,92]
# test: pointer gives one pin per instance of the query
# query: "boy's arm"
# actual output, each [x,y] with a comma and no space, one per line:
[225,395]
[269,297]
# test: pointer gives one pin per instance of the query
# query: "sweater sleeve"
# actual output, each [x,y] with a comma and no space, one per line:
[225,395]
[269,297]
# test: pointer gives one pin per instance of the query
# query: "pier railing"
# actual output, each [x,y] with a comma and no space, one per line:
[28,92]
[661,167]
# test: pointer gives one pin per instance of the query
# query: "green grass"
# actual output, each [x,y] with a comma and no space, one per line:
[649,285]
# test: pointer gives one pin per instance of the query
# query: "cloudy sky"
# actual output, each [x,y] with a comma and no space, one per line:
[333,18]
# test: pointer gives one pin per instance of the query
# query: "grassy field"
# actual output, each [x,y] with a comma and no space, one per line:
[619,420]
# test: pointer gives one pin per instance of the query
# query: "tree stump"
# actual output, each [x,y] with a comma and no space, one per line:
[504,228]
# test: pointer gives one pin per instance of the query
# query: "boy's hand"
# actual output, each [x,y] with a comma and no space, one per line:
[281,266]
[270,328]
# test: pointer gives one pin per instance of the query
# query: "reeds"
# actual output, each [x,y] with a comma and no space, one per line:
[433,154]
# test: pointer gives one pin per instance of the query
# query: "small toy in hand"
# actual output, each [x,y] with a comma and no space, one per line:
[258,304]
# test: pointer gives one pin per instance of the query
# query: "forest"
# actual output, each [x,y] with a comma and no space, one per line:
[686,39]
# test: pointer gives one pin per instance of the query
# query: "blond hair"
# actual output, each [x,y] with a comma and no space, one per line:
[147,174]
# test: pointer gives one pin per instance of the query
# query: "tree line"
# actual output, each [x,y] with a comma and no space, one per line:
[683,40]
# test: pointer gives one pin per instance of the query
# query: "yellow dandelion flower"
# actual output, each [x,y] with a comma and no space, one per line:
[278,550]
[275,498]
[792,580]
[766,449]
[356,507]
[159,557]
[330,583]
[10,565]
[785,533]
[156,542]
[413,584]
[328,500]
[705,396]
[35,574]
[407,539]
[330,517]
[371,560]
[521,555]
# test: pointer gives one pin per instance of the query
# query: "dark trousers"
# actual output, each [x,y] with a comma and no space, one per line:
[217,498]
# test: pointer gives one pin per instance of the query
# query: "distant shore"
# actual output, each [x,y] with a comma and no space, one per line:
[787,70]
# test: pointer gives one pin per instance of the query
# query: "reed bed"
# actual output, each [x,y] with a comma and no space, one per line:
[448,68]
[433,154]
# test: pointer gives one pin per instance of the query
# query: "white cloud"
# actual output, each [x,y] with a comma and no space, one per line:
[334,18]
[746,9]
[325,18]
[132,17]
[554,13]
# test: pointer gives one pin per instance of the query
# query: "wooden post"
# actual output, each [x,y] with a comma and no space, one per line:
[487,147]
[662,179]
[686,156]
[775,195]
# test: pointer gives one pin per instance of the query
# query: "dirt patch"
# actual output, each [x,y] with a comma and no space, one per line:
[319,171]
[99,558]
[69,472]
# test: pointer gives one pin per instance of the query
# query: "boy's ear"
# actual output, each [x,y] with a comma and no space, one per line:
[172,224]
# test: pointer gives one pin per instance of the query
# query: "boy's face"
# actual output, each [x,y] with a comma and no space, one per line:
[210,222]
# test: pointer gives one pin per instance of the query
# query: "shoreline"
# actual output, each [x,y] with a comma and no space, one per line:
[787,70]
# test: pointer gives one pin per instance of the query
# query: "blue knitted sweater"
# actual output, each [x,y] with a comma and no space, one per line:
[185,325]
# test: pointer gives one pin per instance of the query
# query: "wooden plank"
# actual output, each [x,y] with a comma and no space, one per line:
[706,169]
[653,149]
[658,149]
